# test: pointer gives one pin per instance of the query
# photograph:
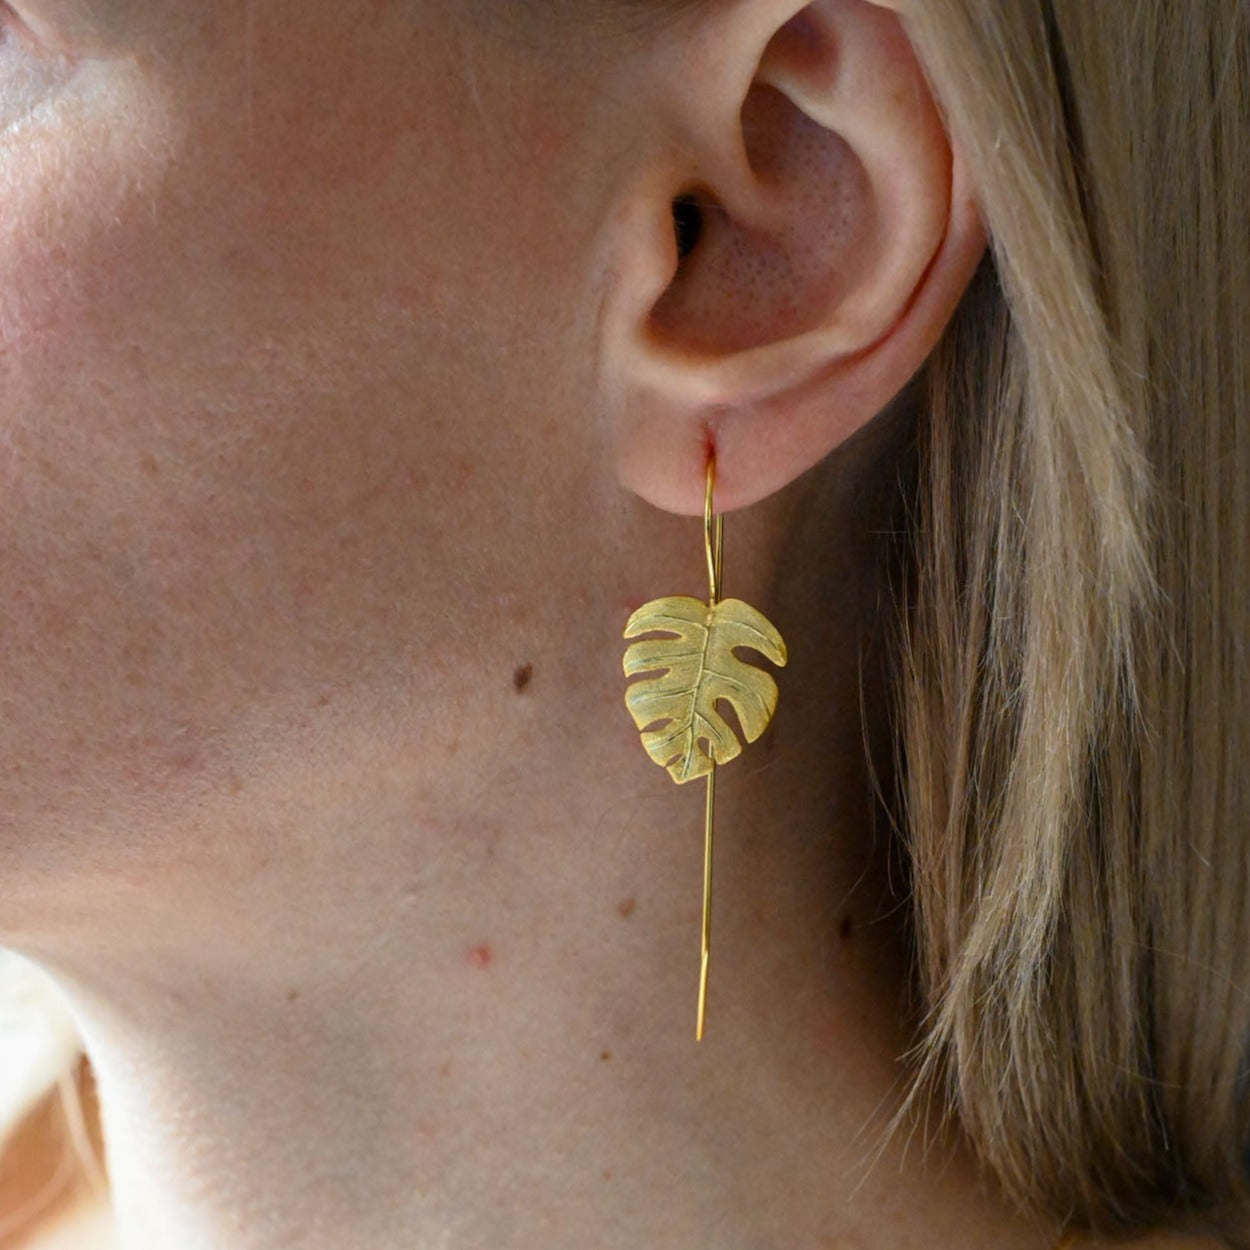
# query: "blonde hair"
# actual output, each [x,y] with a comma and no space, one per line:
[1073,694]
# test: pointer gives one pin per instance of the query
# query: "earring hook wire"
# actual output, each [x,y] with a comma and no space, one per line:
[714,544]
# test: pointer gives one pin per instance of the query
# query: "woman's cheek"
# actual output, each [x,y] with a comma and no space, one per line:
[81,182]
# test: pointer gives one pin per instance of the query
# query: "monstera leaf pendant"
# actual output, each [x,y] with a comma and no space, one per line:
[694,669]
[697,667]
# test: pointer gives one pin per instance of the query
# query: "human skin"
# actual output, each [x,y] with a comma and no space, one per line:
[322,461]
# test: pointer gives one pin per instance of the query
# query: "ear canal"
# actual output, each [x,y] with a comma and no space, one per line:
[687,224]
[770,270]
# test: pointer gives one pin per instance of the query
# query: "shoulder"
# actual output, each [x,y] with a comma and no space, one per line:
[84,1222]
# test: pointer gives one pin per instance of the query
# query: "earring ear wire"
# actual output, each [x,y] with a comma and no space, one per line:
[693,669]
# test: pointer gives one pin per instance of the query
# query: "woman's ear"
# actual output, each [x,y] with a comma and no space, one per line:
[791,254]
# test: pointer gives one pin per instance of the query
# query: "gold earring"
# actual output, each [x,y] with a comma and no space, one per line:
[691,737]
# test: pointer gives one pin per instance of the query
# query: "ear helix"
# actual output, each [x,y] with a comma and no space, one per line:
[693,667]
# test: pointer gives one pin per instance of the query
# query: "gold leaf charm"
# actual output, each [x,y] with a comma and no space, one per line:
[699,668]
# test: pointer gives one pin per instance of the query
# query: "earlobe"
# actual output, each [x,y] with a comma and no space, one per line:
[835,234]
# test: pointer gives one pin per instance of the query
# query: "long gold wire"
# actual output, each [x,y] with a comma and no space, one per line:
[714,543]
[713,535]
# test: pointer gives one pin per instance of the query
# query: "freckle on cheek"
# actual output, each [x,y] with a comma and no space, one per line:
[479,956]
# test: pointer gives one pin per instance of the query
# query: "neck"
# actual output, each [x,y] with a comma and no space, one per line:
[466,1017]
